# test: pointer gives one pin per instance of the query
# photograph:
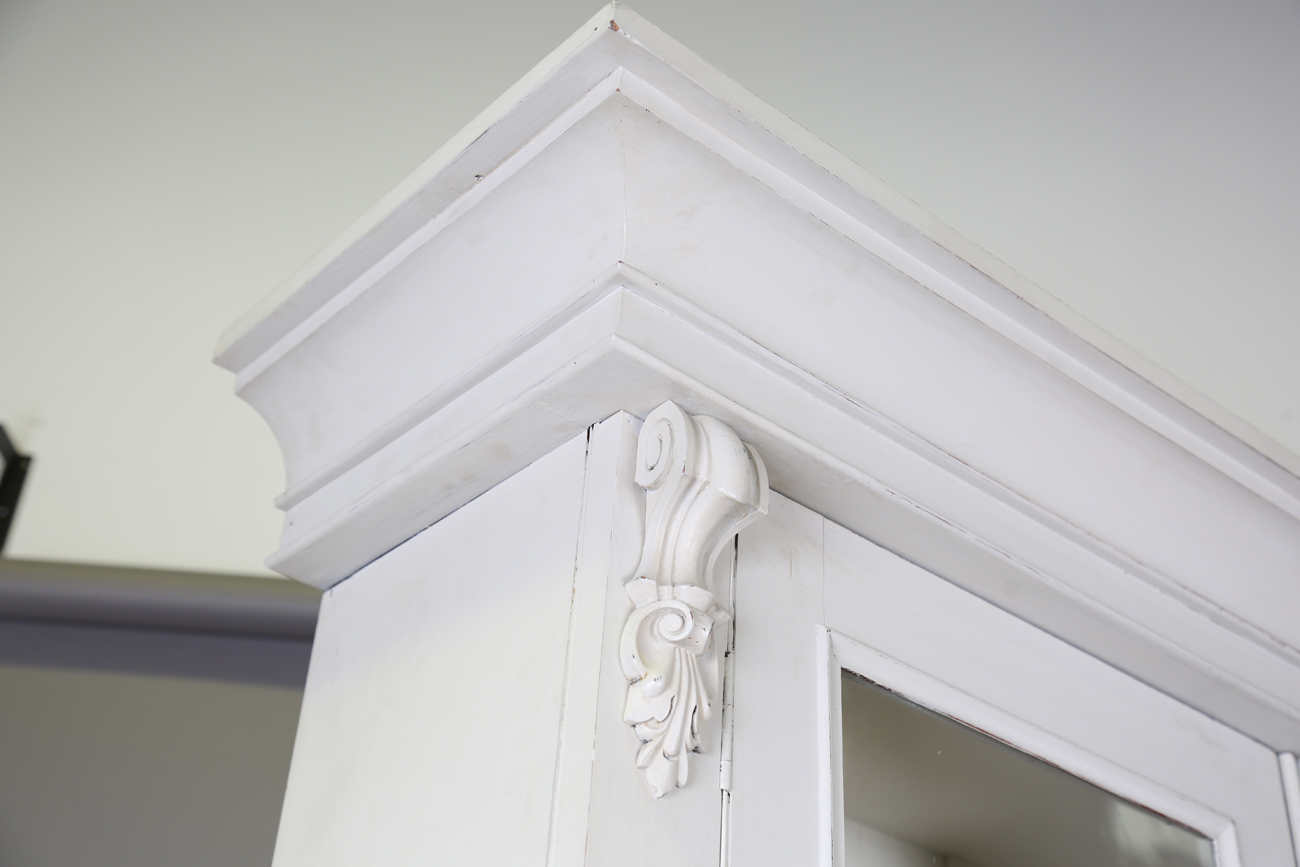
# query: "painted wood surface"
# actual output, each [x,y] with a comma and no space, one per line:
[776,760]
[629,227]
[612,508]
[702,485]
[466,697]
[981,508]
[626,824]
[946,649]
[432,715]
[469,681]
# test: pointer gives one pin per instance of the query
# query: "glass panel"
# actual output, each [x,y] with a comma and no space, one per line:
[921,790]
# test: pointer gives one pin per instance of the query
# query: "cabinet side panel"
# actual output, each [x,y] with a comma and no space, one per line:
[431,717]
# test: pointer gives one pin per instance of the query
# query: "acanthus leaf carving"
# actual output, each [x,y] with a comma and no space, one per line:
[702,486]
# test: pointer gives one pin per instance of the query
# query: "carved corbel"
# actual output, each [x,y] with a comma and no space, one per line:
[702,486]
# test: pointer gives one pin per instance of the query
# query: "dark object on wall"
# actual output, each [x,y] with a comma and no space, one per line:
[11,483]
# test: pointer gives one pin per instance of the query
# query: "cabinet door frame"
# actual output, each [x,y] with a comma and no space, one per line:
[838,653]
[814,599]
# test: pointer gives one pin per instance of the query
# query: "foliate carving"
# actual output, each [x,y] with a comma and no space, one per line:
[703,485]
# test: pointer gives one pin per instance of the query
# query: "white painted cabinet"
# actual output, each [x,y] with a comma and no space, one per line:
[527,401]
[466,700]
[813,599]
[430,724]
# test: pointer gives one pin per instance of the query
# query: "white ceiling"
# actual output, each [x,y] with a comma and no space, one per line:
[164,163]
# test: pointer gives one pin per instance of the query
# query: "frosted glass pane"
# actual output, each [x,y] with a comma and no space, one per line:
[921,790]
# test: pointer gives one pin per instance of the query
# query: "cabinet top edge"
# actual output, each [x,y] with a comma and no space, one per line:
[610,40]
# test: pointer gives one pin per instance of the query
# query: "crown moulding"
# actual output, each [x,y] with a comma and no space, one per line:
[627,227]
[703,485]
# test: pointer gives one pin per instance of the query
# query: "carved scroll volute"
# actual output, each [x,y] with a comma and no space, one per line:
[703,485]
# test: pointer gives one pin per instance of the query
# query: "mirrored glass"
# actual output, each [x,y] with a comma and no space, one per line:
[921,790]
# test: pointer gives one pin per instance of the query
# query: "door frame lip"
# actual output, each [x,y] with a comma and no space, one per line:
[838,652]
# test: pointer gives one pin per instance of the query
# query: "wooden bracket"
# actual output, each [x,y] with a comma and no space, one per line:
[702,486]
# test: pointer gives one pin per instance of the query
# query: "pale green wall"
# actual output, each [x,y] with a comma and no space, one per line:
[163,163]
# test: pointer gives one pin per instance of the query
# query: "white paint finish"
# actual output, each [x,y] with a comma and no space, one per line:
[1089,585]
[855,200]
[477,438]
[702,485]
[1017,482]
[890,232]
[1064,173]
[440,308]
[611,508]
[423,194]
[821,449]
[431,720]
[776,754]
[627,825]
[1291,791]
[831,834]
[721,239]
[941,647]
[768,118]
[804,168]
[1027,454]
[945,649]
